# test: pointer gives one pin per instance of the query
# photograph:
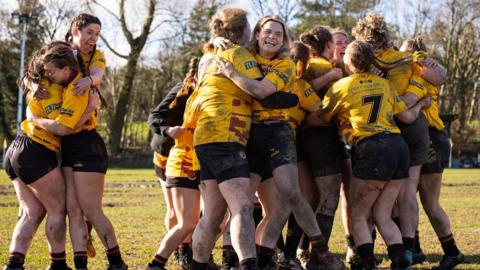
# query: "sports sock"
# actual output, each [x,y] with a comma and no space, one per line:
[448,245]
[249,264]
[325,222]
[292,240]
[265,255]
[80,259]
[16,260]
[58,261]
[114,256]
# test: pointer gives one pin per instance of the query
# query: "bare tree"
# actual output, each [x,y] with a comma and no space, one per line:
[136,44]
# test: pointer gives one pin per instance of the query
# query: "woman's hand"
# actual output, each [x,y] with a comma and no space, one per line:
[426,102]
[174,132]
[221,43]
[82,85]
[39,92]
[335,74]
[224,67]
[93,99]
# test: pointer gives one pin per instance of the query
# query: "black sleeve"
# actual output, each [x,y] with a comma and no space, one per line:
[159,118]
[279,100]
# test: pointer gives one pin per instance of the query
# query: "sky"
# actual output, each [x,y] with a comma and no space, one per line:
[392,10]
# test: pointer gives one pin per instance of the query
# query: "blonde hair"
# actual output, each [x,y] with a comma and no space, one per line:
[252,45]
[360,56]
[415,44]
[373,30]
[229,23]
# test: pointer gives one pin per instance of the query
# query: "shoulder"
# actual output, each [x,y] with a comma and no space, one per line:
[392,55]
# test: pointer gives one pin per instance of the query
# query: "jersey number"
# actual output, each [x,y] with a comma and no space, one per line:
[376,100]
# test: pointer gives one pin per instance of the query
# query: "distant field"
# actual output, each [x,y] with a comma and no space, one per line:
[134,203]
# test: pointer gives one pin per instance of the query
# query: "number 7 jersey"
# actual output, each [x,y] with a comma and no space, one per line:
[366,102]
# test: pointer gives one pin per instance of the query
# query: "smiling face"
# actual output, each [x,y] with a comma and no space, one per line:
[270,39]
[86,38]
[56,74]
[341,43]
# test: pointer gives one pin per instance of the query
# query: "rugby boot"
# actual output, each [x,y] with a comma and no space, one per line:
[303,255]
[359,263]
[229,260]
[418,258]
[400,263]
[66,268]
[449,262]
[154,267]
[328,261]
[122,266]
[185,260]
[6,267]
[286,263]
[212,265]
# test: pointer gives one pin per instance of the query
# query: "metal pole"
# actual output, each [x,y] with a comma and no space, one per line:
[24,20]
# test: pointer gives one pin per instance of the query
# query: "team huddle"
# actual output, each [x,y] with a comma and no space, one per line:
[262,132]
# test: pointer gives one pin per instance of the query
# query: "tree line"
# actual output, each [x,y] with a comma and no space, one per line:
[133,88]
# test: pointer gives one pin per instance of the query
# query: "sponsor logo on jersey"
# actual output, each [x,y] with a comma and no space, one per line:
[250,64]
[50,108]
[66,111]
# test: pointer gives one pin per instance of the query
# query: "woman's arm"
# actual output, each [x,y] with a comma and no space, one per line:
[334,74]
[54,127]
[93,80]
[257,89]
[410,115]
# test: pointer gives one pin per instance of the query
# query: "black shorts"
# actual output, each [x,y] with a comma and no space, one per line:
[439,152]
[271,144]
[182,182]
[416,137]
[380,157]
[222,161]
[28,160]
[323,150]
[85,151]
[160,173]
[300,154]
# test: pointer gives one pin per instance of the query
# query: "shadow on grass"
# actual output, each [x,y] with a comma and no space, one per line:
[431,260]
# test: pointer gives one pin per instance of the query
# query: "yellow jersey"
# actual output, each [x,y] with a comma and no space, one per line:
[160,160]
[401,73]
[97,60]
[219,110]
[421,88]
[180,161]
[317,67]
[280,72]
[368,101]
[46,108]
[308,102]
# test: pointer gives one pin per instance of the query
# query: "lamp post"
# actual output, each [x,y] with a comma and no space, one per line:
[24,19]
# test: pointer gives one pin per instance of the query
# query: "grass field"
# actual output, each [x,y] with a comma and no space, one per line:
[134,203]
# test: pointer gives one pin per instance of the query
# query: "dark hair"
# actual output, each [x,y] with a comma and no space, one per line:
[317,39]
[360,55]
[300,54]
[190,81]
[57,52]
[81,21]
[252,45]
